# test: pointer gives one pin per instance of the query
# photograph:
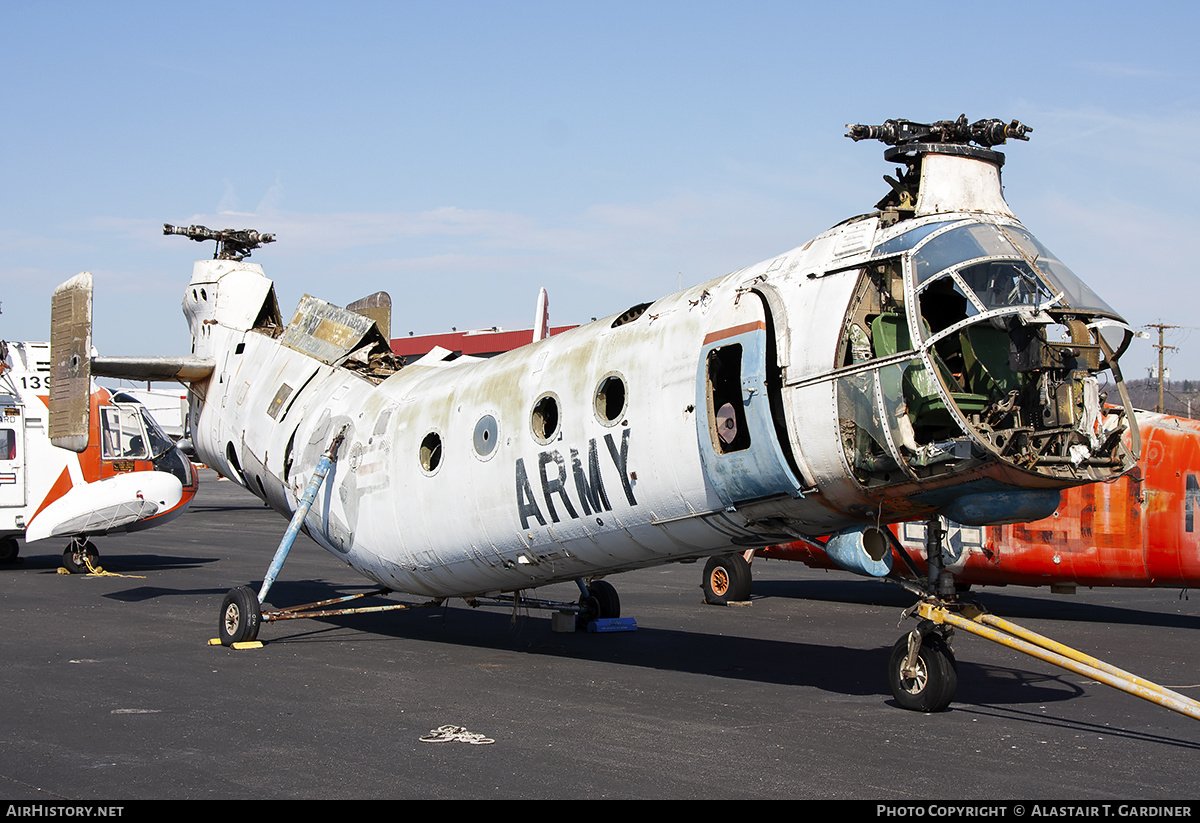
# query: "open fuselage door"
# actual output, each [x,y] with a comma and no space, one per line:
[742,453]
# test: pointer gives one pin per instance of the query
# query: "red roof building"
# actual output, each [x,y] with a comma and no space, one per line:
[479,342]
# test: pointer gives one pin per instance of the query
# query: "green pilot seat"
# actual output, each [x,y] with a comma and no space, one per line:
[889,335]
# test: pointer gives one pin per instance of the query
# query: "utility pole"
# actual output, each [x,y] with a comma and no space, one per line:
[1161,348]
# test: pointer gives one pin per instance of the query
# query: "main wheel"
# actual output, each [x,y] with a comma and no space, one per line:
[240,617]
[9,549]
[77,557]
[727,579]
[602,604]
[606,598]
[933,680]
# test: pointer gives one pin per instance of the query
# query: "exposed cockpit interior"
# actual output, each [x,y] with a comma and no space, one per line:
[966,337]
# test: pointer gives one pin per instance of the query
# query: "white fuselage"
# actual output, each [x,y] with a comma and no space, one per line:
[598,493]
[29,465]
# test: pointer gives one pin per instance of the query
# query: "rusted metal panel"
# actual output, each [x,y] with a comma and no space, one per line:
[70,358]
[377,307]
[325,331]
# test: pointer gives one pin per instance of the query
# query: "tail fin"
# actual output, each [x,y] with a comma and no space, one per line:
[378,307]
[541,320]
[71,362]
[72,365]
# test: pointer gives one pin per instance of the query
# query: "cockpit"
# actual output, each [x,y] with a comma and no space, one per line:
[128,433]
[967,339]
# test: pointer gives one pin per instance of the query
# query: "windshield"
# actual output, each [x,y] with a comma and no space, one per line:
[1001,266]
[159,441]
[122,433]
[996,284]
[906,241]
[1061,279]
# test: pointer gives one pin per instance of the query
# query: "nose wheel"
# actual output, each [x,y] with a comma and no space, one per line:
[922,672]
[80,557]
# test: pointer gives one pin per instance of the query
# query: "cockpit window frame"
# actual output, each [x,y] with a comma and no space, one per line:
[932,371]
[158,441]
[913,237]
[1021,245]
[117,435]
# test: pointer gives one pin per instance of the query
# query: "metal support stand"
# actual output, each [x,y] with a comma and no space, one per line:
[925,678]
[293,530]
[241,611]
[978,622]
[317,609]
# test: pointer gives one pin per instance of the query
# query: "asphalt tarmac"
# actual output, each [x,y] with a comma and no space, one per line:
[111,691]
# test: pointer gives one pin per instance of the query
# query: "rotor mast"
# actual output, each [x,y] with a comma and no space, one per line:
[949,165]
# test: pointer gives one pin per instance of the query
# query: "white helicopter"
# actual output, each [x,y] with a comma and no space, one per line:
[127,476]
[906,364]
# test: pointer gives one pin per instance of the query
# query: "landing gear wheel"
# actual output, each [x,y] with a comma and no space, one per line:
[9,549]
[727,579]
[78,556]
[604,603]
[933,680]
[606,597]
[240,617]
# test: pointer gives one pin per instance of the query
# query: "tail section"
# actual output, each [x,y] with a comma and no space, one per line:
[72,365]
[541,320]
[378,307]
[71,362]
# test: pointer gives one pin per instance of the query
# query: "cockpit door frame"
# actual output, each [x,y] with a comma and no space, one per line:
[751,465]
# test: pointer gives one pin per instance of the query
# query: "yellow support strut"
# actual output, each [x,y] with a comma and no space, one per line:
[1043,648]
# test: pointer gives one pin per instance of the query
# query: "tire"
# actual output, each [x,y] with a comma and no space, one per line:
[935,680]
[603,603]
[607,600]
[727,579]
[76,558]
[9,549]
[240,617]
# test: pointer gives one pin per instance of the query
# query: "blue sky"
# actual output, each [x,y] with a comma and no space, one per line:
[460,155]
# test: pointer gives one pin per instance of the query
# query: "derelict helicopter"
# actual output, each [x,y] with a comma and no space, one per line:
[127,475]
[930,358]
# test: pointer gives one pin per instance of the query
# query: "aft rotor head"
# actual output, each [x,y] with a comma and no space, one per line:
[986,133]
[232,244]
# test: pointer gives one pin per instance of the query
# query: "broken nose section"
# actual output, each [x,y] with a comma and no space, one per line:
[862,550]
